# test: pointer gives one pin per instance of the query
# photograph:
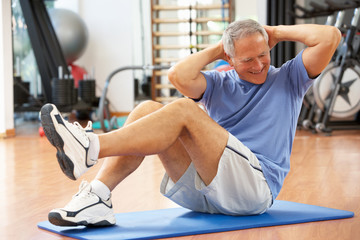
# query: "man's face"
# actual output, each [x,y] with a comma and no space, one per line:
[252,58]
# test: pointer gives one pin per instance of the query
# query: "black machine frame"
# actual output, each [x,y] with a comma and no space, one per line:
[47,50]
[345,57]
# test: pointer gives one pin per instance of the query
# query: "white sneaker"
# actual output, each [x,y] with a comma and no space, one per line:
[71,141]
[86,208]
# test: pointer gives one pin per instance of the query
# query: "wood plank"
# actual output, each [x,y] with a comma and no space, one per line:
[176,34]
[8,133]
[170,34]
[202,46]
[164,86]
[169,47]
[208,33]
[166,60]
[211,6]
[195,7]
[197,20]
[160,73]
[166,99]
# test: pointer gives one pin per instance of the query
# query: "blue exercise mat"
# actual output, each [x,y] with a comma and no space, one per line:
[176,222]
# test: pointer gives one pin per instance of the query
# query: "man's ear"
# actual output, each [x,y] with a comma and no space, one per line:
[229,60]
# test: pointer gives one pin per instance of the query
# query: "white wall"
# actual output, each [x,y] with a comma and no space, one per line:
[6,69]
[262,11]
[245,9]
[251,9]
[110,46]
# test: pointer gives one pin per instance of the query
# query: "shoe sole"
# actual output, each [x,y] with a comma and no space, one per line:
[56,219]
[66,165]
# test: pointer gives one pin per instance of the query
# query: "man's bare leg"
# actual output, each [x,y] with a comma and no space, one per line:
[203,139]
[116,169]
[184,134]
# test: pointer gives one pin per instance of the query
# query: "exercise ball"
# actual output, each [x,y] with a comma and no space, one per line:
[222,65]
[71,32]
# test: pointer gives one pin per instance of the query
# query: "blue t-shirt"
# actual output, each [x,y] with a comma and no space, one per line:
[263,117]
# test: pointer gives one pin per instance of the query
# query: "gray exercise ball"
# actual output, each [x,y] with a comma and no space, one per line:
[71,32]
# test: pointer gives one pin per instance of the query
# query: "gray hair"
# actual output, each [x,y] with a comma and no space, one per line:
[238,30]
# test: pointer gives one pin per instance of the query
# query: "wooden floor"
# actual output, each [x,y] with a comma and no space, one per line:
[325,171]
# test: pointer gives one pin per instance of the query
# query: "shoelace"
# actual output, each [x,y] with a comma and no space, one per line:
[79,129]
[82,187]
[88,126]
[80,195]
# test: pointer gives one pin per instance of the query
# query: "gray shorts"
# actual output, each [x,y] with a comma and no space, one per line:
[239,188]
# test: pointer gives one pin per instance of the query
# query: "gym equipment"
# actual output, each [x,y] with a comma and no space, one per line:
[57,41]
[50,57]
[71,32]
[47,50]
[63,93]
[103,110]
[320,10]
[41,131]
[176,222]
[21,91]
[347,101]
[335,93]
[346,61]
[222,65]
[310,109]
[86,91]
[119,122]
[78,73]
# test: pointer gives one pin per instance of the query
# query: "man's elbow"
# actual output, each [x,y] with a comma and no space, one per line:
[334,38]
[176,78]
[173,76]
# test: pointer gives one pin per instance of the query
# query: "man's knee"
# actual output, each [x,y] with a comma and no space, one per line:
[182,107]
[143,109]
[148,106]
[186,105]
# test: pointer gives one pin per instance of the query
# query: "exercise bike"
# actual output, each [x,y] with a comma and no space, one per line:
[336,92]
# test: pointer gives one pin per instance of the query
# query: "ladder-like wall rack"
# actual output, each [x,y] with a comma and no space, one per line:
[178,31]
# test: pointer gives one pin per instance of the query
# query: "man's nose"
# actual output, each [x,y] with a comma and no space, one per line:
[258,65]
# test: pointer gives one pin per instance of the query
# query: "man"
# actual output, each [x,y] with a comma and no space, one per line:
[232,160]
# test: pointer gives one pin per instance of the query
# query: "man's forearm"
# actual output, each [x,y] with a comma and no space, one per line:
[190,67]
[321,42]
[309,34]
[186,76]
